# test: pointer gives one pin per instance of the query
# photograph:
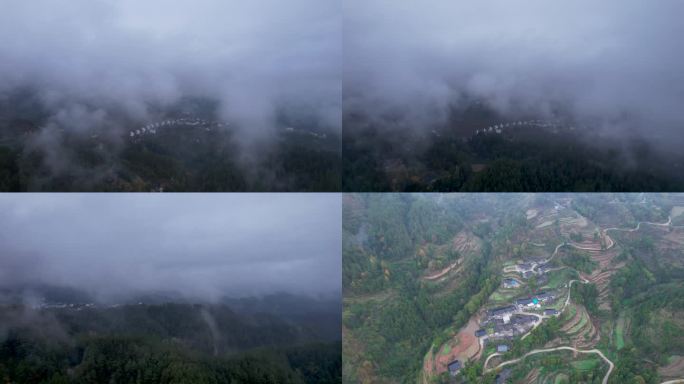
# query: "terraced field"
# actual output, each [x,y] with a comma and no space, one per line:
[556,241]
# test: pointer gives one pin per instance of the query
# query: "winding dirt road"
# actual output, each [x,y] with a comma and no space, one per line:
[611,366]
[443,272]
[665,224]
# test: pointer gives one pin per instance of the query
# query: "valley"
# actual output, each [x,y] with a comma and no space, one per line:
[553,295]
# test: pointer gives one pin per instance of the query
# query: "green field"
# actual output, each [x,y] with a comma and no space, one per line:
[579,325]
[502,296]
[560,277]
[447,349]
[569,313]
[585,365]
[619,332]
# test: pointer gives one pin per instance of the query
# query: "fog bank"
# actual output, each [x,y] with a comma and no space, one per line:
[93,61]
[612,65]
[200,245]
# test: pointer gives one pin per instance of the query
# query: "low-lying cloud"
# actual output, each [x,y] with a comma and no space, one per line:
[615,64]
[200,245]
[91,60]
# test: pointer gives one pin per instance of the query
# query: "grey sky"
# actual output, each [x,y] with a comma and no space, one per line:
[615,61]
[204,245]
[124,55]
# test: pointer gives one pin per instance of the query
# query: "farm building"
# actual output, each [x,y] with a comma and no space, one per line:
[529,302]
[525,266]
[511,283]
[523,319]
[480,332]
[544,296]
[542,280]
[501,311]
[454,367]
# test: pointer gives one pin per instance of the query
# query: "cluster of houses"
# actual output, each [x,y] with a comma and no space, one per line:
[498,128]
[310,133]
[529,269]
[534,301]
[511,320]
[74,306]
[77,306]
[151,129]
[510,283]
[507,322]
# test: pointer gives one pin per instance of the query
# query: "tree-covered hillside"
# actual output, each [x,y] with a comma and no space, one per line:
[165,343]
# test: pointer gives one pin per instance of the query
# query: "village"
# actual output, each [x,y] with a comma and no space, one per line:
[500,128]
[534,287]
[154,128]
[151,129]
[501,325]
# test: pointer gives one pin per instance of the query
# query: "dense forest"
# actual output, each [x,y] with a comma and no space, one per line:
[378,158]
[35,155]
[381,257]
[398,314]
[170,343]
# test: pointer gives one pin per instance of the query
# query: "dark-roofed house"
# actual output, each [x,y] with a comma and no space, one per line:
[454,367]
[542,280]
[510,283]
[525,266]
[550,312]
[544,296]
[523,319]
[504,330]
[480,332]
[501,311]
[525,302]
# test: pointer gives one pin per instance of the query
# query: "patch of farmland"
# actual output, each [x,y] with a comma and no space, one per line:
[502,296]
[559,277]
[545,224]
[676,211]
[601,276]
[576,323]
[585,365]
[464,346]
[465,242]
[674,368]
[620,327]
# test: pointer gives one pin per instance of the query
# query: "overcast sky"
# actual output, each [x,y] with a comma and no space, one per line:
[205,245]
[123,55]
[616,60]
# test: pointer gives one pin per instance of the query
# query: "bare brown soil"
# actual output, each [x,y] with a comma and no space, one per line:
[464,346]
[673,370]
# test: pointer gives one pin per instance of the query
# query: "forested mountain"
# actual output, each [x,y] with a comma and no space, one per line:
[597,274]
[184,148]
[85,342]
[377,156]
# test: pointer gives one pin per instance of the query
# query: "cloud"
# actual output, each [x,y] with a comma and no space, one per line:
[202,245]
[128,57]
[613,63]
